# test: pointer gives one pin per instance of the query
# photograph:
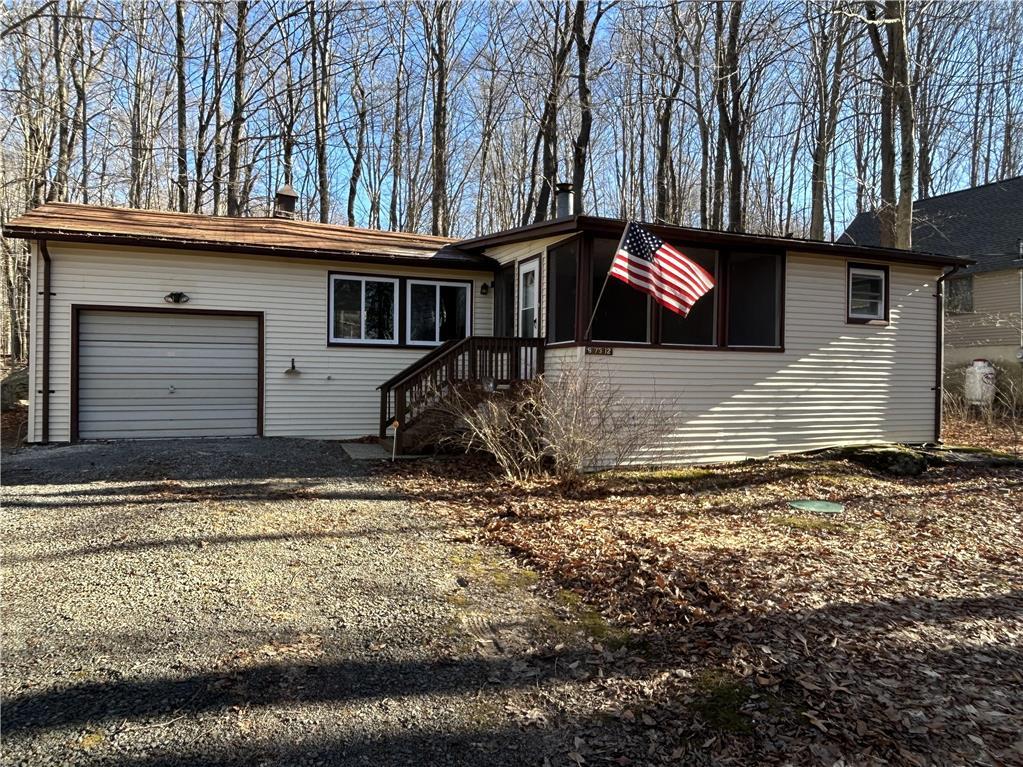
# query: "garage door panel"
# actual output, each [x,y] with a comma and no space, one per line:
[184,327]
[163,430]
[158,375]
[166,369]
[187,352]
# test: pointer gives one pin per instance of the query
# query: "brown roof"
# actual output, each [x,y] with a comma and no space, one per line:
[269,236]
[612,227]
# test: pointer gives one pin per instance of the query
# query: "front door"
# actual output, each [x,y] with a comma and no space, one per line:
[529,295]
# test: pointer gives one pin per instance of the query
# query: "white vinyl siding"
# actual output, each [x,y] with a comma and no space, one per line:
[334,394]
[834,384]
[167,375]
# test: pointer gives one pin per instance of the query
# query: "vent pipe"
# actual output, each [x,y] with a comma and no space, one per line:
[285,201]
[565,200]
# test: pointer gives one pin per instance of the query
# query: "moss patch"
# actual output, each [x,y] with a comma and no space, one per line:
[504,576]
[720,697]
[807,523]
[590,622]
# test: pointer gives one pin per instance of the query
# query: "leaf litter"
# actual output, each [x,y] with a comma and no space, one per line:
[890,635]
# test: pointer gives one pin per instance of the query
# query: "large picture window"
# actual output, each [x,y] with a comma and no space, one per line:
[754,284]
[699,327]
[623,313]
[562,269]
[437,311]
[363,309]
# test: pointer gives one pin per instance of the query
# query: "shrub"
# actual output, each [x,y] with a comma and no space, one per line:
[565,424]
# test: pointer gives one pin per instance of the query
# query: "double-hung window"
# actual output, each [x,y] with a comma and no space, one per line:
[868,293]
[437,311]
[363,310]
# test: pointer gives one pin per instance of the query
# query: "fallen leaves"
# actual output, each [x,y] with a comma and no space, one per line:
[889,636]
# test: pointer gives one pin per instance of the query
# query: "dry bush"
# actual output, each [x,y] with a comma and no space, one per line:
[999,423]
[562,424]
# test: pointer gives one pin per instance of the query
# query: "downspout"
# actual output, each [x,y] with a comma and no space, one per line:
[46,292]
[939,356]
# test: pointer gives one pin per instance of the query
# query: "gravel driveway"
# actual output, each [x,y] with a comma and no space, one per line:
[254,602]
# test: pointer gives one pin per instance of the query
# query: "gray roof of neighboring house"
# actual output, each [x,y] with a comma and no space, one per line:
[983,222]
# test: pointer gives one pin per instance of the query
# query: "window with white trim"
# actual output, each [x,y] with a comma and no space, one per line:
[867,293]
[363,310]
[437,311]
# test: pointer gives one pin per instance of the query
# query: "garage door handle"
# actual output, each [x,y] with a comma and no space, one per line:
[170,389]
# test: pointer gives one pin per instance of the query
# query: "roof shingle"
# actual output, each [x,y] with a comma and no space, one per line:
[261,235]
[983,222]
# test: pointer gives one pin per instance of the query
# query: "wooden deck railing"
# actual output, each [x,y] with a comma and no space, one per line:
[419,387]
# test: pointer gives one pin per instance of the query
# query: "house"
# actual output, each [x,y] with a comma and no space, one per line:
[159,324]
[984,302]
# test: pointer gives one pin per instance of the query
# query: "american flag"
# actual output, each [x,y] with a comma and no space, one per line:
[648,263]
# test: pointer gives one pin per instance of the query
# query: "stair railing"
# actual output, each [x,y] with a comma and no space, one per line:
[498,360]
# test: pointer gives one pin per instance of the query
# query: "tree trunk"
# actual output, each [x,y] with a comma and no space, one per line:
[182,115]
[235,202]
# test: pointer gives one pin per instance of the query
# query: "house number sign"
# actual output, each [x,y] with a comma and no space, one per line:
[601,351]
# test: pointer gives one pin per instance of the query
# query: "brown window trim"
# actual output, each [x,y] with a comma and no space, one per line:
[402,341]
[584,297]
[77,309]
[878,322]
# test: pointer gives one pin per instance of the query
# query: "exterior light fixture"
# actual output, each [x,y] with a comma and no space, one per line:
[176,298]
[485,287]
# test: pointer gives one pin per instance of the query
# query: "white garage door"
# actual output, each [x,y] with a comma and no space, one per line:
[167,375]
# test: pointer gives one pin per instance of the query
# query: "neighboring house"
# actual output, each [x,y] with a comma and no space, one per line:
[150,324]
[984,302]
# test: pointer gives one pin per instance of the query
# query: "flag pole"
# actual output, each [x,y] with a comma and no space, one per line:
[600,295]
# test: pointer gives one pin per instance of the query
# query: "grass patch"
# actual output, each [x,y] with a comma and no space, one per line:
[676,474]
[720,697]
[807,523]
[457,598]
[513,579]
[503,576]
[591,622]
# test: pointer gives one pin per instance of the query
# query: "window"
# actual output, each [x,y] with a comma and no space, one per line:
[437,311]
[868,291]
[623,314]
[562,267]
[959,295]
[753,283]
[363,309]
[699,327]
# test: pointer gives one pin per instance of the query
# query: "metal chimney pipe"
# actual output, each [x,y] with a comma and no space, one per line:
[565,200]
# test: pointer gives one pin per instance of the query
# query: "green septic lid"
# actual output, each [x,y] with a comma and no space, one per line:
[819,507]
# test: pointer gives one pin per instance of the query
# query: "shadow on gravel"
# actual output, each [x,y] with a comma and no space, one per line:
[122,547]
[246,493]
[267,685]
[485,747]
[179,459]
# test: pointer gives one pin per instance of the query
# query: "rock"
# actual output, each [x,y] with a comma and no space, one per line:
[896,460]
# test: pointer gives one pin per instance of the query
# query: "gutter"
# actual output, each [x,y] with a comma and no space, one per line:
[939,352]
[46,293]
